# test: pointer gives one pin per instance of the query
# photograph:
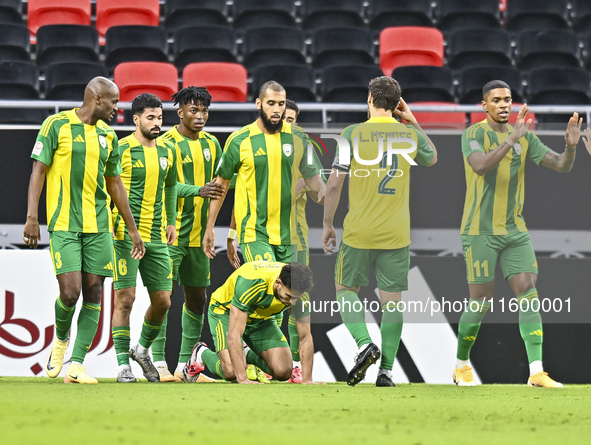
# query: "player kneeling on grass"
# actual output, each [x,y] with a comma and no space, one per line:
[150,176]
[245,308]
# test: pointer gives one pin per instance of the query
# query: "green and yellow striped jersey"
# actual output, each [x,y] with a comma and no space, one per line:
[250,289]
[195,163]
[494,201]
[147,173]
[264,185]
[379,216]
[79,156]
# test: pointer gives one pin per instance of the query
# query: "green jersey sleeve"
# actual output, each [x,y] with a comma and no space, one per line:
[424,151]
[113,167]
[300,142]
[344,166]
[46,143]
[230,160]
[473,141]
[187,190]
[247,293]
[536,150]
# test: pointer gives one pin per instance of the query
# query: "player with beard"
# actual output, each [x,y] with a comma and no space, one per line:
[150,179]
[493,228]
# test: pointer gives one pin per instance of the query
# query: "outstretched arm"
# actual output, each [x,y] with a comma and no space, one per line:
[564,162]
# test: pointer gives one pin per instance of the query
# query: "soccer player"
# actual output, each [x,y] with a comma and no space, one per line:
[197,153]
[149,175]
[245,308]
[493,228]
[377,226]
[78,153]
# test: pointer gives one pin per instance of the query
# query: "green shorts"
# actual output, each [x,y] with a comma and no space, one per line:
[259,335]
[514,252]
[263,251]
[391,267]
[155,267]
[191,265]
[86,252]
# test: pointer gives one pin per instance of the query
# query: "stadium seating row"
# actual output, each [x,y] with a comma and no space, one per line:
[313,14]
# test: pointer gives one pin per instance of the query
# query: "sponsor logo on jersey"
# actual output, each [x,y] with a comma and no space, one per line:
[260,152]
[138,164]
[163,163]
[207,154]
[187,160]
[287,149]
[79,138]
[102,141]
[37,148]
[517,148]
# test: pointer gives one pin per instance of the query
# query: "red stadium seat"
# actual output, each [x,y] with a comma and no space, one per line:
[225,81]
[126,12]
[410,45]
[57,12]
[479,117]
[442,120]
[134,78]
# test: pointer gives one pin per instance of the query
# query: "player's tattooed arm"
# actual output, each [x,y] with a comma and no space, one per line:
[564,162]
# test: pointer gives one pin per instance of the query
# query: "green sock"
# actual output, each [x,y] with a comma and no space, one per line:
[63,318]
[391,329]
[469,326]
[121,340]
[253,359]
[192,325]
[353,318]
[159,345]
[530,324]
[294,339]
[87,325]
[213,363]
[279,319]
[149,333]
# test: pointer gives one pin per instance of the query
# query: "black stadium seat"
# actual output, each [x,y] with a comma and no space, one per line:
[135,43]
[342,47]
[276,45]
[182,13]
[472,47]
[263,13]
[10,11]
[19,80]
[204,44]
[472,79]
[587,52]
[67,81]
[388,13]
[547,49]
[332,14]
[66,43]
[298,80]
[582,16]
[15,42]
[425,83]
[461,14]
[524,15]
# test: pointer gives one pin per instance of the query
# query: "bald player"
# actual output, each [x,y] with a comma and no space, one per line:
[78,153]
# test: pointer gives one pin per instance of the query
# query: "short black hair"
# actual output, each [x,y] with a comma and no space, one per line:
[291,105]
[270,85]
[385,92]
[492,85]
[192,95]
[143,101]
[297,277]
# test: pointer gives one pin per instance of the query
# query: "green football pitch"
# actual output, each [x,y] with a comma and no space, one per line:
[44,411]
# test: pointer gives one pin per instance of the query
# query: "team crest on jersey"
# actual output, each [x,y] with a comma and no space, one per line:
[517,148]
[287,149]
[102,141]
[207,154]
[163,163]
[37,148]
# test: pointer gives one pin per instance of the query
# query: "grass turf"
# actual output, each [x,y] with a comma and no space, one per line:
[45,411]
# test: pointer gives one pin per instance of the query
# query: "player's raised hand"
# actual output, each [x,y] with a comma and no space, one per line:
[587,139]
[31,233]
[329,239]
[403,111]
[232,253]
[208,243]
[521,126]
[211,190]
[573,130]
[170,234]
[138,249]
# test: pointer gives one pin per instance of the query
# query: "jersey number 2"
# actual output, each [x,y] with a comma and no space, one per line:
[383,188]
